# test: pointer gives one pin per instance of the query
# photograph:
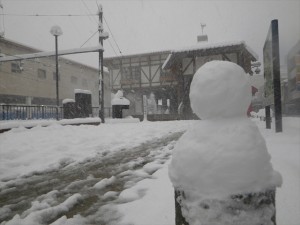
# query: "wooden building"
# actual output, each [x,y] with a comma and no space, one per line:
[167,74]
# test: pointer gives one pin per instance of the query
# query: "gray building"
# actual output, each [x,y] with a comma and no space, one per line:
[33,81]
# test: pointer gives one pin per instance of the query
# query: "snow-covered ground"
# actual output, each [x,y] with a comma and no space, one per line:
[147,200]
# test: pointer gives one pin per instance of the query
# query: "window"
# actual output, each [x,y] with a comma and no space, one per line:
[74,80]
[132,73]
[136,72]
[41,74]
[16,67]
[54,76]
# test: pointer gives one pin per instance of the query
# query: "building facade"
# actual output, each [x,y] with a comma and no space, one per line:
[33,81]
[166,76]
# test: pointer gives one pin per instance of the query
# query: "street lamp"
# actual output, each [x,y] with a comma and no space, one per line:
[56,31]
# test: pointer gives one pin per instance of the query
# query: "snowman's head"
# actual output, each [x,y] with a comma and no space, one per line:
[220,89]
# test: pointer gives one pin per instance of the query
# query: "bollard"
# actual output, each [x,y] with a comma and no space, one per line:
[237,209]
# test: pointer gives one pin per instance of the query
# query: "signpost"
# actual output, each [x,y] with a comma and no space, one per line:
[272,76]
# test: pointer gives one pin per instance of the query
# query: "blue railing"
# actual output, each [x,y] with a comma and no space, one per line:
[35,112]
[28,112]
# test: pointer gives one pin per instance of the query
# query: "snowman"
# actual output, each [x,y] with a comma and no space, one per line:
[221,165]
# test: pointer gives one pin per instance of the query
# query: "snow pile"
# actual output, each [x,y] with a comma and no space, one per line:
[220,90]
[119,99]
[224,154]
[22,124]
[68,100]
[40,212]
[80,91]
[105,182]
[26,151]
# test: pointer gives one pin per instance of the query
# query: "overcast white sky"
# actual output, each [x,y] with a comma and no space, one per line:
[140,26]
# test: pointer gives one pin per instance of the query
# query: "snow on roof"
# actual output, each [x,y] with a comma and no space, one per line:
[76,91]
[120,101]
[51,53]
[206,46]
[68,100]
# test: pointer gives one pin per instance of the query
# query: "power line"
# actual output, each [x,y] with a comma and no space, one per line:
[90,13]
[89,39]
[46,15]
[113,36]
[112,47]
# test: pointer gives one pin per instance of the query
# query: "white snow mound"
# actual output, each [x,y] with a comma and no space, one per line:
[224,154]
[220,89]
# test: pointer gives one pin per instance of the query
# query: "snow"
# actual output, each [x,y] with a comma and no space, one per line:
[51,53]
[118,99]
[220,89]
[223,155]
[48,148]
[209,45]
[227,162]
[105,182]
[38,217]
[206,46]
[80,91]
[67,100]
[155,204]
[22,124]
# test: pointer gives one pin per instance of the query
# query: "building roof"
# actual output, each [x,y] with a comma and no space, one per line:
[204,49]
[138,54]
[36,53]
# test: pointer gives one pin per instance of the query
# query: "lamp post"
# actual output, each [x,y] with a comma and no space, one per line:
[56,31]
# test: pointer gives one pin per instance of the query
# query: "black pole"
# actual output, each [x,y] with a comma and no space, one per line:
[276,76]
[268,117]
[57,88]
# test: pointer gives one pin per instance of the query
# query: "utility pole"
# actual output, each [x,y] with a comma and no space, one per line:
[102,36]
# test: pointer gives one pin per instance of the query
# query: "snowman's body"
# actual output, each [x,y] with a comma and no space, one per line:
[223,154]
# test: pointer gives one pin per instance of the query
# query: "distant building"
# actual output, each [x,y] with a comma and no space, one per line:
[168,74]
[33,81]
[292,86]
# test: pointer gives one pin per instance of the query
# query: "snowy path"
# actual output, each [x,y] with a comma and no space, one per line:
[83,188]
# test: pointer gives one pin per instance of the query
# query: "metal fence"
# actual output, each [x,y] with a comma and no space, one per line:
[34,112]
[28,112]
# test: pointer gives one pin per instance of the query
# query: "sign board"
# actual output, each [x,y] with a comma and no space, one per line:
[272,75]
[297,59]
[268,70]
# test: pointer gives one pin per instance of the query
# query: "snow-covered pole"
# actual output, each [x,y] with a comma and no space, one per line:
[221,169]
[102,36]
